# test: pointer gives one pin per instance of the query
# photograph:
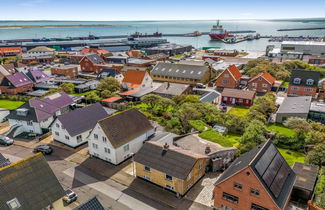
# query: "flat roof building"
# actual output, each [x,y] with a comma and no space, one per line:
[309,48]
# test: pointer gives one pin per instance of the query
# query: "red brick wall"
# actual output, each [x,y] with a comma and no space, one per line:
[87,66]
[14,91]
[71,72]
[259,85]
[245,198]
[238,101]
[232,83]
[301,90]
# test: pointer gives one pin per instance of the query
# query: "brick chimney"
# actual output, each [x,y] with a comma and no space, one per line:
[207,150]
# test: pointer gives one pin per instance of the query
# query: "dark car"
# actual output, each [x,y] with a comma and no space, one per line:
[70,196]
[200,85]
[4,140]
[45,149]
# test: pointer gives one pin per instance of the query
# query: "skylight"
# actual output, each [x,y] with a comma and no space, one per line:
[13,204]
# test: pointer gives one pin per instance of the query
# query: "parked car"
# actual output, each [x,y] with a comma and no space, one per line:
[5,140]
[45,149]
[70,196]
[200,85]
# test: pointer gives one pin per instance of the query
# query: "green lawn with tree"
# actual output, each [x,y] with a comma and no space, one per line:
[238,111]
[292,156]
[8,104]
[281,129]
[214,136]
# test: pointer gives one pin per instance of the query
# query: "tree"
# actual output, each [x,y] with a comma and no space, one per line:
[317,155]
[106,94]
[67,87]
[109,83]
[185,113]
[301,126]
[165,103]
[151,100]
[92,97]
[301,65]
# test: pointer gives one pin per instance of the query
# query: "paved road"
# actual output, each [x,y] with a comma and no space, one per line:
[86,184]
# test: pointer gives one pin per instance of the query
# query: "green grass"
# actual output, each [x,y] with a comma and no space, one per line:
[293,156]
[7,104]
[198,125]
[238,111]
[214,136]
[285,84]
[281,129]
[83,94]
[233,138]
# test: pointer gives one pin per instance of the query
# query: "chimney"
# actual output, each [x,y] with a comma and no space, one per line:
[166,146]
[168,85]
[207,150]
[165,149]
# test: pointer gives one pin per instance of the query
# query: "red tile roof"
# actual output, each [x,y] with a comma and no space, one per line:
[129,92]
[112,99]
[268,77]
[134,76]
[93,50]
[10,49]
[234,71]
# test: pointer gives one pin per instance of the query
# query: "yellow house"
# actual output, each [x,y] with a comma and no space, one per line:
[181,73]
[170,167]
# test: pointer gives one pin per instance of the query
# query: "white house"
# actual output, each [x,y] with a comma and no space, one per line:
[38,114]
[39,51]
[73,128]
[136,79]
[118,137]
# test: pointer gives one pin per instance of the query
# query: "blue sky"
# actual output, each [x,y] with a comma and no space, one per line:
[158,10]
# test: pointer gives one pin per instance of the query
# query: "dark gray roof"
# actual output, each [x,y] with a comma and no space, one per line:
[172,89]
[299,104]
[175,161]
[270,168]
[81,120]
[107,72]
[92,204]
[306,175]
[31,181]
[125,126]
[95,58]
[304,75]
[179,70]
[210,96]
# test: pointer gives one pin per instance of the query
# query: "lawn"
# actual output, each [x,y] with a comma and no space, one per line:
[198,125]
[214,136]
[281,129]
[7,104]
[285,84]
[83,94]
[238,111]
[233,138]
[292,157]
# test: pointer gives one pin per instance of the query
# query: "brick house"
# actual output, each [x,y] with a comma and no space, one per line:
[16,83]
[317,59]
[65,70]
[10,51]
[238,97]
[303,83]
[260,179]
[262,82]
[92,63]
[229,78]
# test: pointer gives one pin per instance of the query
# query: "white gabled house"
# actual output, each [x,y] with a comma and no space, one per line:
[117,137]
[136,79]
[74,127]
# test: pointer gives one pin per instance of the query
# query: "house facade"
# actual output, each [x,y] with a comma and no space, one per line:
[260,179]
[170,167]
[238,97]
[16,83]
[303,83]
[181,73]
[92,63]
[262,82]
[116,138]
[229,78]
[73,128]
[65,70]
[39,52]
[134,79]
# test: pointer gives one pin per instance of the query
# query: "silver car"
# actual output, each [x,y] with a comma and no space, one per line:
[5,140]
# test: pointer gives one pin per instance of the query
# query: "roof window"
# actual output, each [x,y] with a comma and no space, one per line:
[296,81]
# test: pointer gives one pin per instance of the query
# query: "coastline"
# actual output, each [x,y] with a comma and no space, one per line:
[57,26]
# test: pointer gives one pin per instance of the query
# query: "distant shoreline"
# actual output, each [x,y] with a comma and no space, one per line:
[57,26]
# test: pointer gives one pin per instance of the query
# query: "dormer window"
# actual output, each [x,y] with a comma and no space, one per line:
[296,81]
[310,82]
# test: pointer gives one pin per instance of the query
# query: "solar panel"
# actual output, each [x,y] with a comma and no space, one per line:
[280,179]
[265,160]
[273,169]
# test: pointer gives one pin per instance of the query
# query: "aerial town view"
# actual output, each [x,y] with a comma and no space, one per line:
[200,105]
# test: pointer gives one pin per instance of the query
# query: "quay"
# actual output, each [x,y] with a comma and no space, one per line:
[301,29]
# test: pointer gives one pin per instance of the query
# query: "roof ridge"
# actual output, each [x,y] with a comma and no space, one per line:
[258,153]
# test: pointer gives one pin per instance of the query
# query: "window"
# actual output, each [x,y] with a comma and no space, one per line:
[310,82]
[104,139]
[189,176]
[230,198]
[260,78]
[107,150]
[95,146]
[67,137]
[308,89]
[254,84]
[79,138]
[169,187]
[254,191]
[295,88]
[13,204]
[169,178]
[257,207]
[57,134]
[225,81]
[238,186]
[200,166]
[240,100]
[57,125]
[126,148]
[147,178]
[95,136]
[225,98]
[29,123]
[146,168]
[226,207]
[264,85]
[226,75]
[296,81]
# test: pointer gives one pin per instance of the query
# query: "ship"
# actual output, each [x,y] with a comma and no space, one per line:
[195,33]
[218,33]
